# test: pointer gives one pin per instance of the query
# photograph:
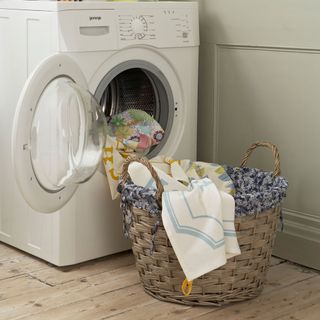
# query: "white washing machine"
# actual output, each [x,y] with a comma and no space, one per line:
[54,197]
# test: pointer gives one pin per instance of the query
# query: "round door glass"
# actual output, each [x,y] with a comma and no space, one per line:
[67,135]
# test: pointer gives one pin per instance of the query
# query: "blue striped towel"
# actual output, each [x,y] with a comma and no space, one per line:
[199,223]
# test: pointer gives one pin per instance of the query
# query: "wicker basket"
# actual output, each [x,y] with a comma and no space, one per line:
[241,278]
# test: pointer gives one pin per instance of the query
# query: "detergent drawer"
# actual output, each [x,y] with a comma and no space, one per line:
[87,30]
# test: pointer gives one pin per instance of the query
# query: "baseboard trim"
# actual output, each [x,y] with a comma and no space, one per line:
[296,249]
[300,239]
[4,235]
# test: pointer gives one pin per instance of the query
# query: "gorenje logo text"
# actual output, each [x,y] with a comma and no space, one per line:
[94,18]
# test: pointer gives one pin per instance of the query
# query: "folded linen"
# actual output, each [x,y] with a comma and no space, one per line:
[194,222]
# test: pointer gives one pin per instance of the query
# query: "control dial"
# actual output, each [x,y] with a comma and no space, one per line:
[139,26]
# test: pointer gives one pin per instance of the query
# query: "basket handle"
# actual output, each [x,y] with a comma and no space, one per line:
[272,147]
[145,162]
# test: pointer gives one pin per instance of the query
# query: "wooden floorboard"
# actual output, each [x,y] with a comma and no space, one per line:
[109,288]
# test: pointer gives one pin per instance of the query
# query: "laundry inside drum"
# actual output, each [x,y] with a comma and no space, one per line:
[141,89]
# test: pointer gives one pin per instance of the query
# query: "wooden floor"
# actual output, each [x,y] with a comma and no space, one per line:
[109,288]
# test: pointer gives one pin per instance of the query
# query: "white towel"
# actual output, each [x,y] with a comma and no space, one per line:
[176,174]
[200,226]
[141,176]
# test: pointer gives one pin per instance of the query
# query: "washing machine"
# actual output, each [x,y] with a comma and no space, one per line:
[65,67]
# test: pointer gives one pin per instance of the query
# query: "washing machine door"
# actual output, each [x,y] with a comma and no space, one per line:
[58,136]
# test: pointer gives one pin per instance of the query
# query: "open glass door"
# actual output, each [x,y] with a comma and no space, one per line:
[58,136]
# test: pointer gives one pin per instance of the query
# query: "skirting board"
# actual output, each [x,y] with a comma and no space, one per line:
[300,239]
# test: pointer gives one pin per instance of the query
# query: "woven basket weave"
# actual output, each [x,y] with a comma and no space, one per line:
[241,278]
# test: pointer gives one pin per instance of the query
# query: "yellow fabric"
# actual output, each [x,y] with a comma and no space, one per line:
[182,171]
[115,154]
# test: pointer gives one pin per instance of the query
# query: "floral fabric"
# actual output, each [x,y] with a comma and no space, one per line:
[135,129]
[132,131]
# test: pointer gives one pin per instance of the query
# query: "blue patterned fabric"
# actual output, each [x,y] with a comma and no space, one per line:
[256,190]
[142,198]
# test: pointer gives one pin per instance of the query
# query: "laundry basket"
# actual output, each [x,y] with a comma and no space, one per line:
[241,278]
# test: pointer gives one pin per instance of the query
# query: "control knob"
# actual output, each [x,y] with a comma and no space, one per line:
[139,27]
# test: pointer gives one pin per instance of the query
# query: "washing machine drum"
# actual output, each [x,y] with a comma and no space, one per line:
[144,88]
[131,89]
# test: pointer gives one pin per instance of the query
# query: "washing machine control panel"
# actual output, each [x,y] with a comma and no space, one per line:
[160,26]
[163,28]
